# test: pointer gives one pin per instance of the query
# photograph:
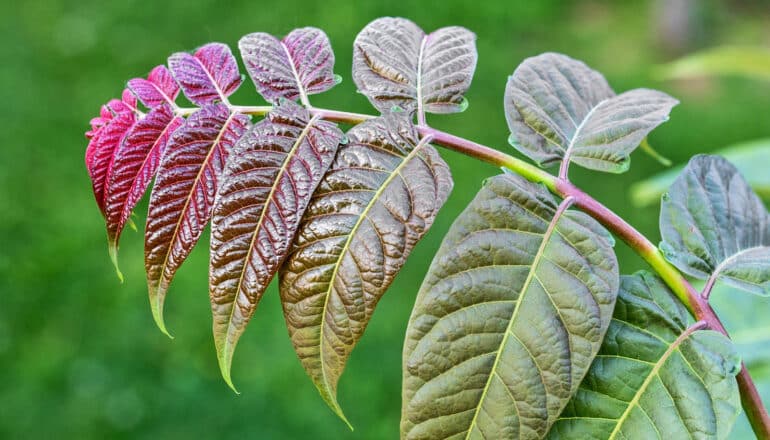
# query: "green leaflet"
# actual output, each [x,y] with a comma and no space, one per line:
[748,61]
[560,110]
[715,227]
[654,377]
[511,313]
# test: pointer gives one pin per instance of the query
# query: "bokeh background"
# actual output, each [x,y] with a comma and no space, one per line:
[79,354]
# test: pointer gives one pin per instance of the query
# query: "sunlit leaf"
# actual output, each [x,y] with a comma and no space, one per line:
[751,159]
[183,194]
[136,161]
[714,226]
[511,313]
[558,109]
[100,153]
[208,76]
[753,62]
[396,64]
[299,65]
[379,198]
[264,190]
[159,88]
[656,376]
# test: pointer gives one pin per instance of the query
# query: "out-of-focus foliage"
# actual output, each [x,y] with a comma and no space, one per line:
[114,375]
[752,62]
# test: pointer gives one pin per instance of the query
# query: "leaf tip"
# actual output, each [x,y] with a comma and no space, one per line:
[113,251]
[225,362]
[156,304]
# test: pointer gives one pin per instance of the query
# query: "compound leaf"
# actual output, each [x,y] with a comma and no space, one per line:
[159,88]
[136,161]
[264,191]
[558,109]
[396,64]
[208,76]
[378,200]
[510,316]
[715,227]
[183,194]
[299,65]
[655,376]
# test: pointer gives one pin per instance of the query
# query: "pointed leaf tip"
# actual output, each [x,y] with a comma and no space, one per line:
[156,305]
[225,360]
[112,248]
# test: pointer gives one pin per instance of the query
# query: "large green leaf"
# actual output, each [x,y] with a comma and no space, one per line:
[512,312]
[560,110]
[377,201]
[655,376]
[715,227]
[751,159]
[753,62]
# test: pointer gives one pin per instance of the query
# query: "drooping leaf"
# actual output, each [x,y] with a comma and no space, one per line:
[380,197]
[655,376]
[136,161]
[507,322]
[208,76]
[159,88]
[100,153]
[751,159]
[264,191]
[183,194]
[299,65]
[558,109]
[396,64]
[714,226]
[752,62]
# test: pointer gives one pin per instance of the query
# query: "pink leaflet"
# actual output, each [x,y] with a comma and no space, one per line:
[210,75]
[136,160]
[100,153]
[301,63]
[159,87]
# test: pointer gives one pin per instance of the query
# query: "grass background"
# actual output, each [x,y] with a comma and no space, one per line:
[79,354]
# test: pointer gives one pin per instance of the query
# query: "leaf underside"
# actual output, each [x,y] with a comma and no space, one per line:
[378,200]
[300,64]
[714,226]
[511,313]
[183,194]
[396,64]
[558,109]
[654,376]
[264,190]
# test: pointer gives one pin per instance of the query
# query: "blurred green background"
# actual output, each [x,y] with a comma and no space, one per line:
[79,354]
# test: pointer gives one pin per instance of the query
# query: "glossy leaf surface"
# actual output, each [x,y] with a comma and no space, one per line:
[655,376]
[208,76]
[560,109]
[378,200]
[100,153]
[183,195]
[509,318]
[714,226]
[396,64]
[300,64]
[264,191]
[159,88]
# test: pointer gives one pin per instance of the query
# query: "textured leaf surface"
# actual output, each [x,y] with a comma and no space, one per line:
[183,195]
[100,153]
[299,65]
[509,318]
[396,64]
[379,198]
[714,226]
[751,159]
[265,189]
[159,88]
[136,161]
[560,109]
[654,377]
[210,75]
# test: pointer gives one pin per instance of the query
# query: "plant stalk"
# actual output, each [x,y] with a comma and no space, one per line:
[695,303]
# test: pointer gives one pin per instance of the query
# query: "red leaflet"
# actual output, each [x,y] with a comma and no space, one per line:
[264,191]
[183,195]
[210,75]
[100,153]
[299,65]
[136,161]
[158,88]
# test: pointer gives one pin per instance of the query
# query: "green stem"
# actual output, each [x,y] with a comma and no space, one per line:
[695,303]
